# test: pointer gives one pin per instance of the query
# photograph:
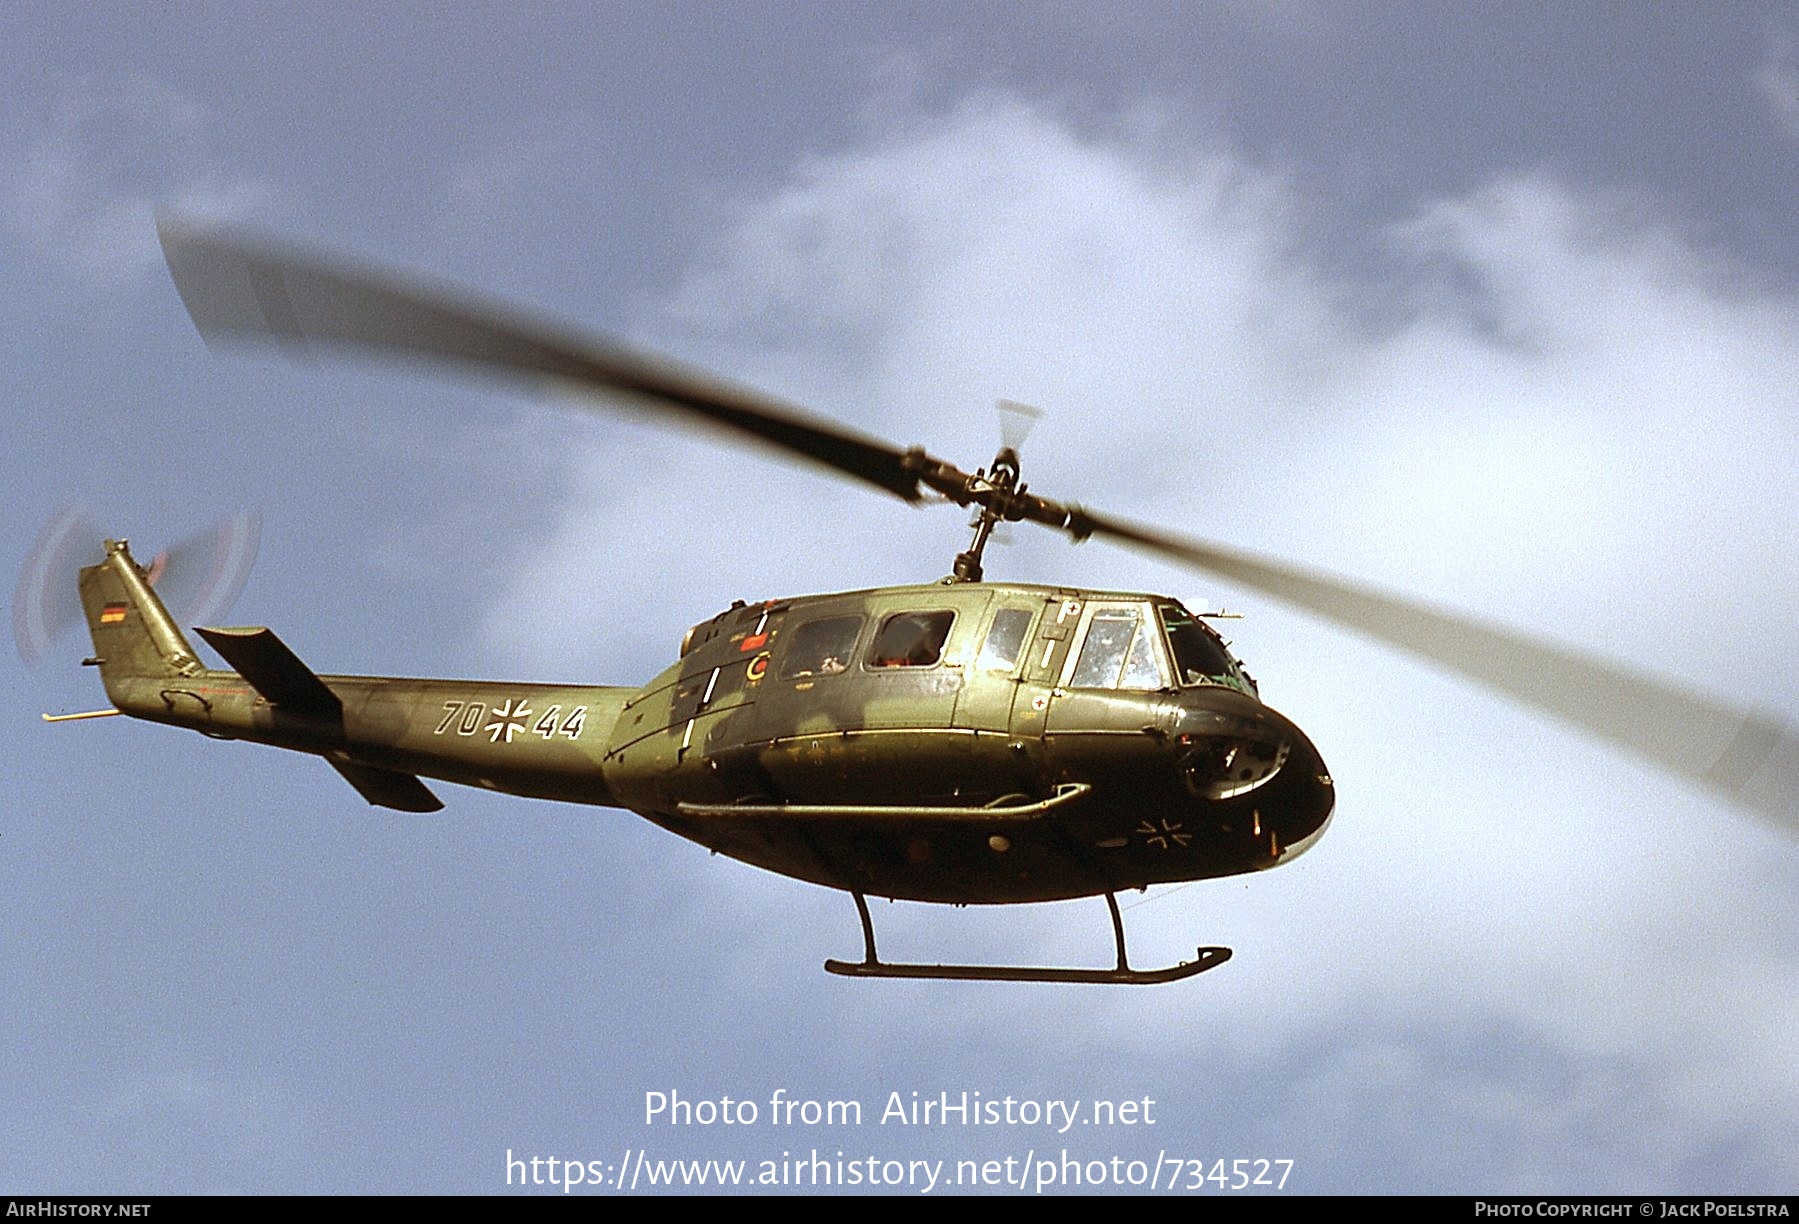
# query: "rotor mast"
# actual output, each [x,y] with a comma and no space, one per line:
[1001,498]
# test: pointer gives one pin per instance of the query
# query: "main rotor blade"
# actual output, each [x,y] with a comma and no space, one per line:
[1749,757]
[240,288]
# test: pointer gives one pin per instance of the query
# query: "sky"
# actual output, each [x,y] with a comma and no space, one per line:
[1494,306]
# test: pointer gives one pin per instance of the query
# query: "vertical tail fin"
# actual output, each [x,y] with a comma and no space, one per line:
[134,635]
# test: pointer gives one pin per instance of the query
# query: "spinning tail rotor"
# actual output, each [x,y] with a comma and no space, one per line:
[200,577]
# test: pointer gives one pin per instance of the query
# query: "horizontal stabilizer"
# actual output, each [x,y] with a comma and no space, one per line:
[275,671]
[388,788]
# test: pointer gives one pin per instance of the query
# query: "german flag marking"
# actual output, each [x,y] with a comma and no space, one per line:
[112,614]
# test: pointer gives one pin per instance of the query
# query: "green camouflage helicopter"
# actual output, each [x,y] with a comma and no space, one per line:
[961,742]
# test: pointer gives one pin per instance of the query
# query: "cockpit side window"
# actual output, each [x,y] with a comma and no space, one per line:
[911,639]
[821,647]
[1119,651]
[1142,670]
[1005,639]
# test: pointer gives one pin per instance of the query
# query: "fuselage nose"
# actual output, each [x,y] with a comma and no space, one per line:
[1233,752]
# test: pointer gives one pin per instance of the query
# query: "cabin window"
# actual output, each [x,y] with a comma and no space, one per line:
[821,647]
[1005,639]
[1119,652]
[911,639]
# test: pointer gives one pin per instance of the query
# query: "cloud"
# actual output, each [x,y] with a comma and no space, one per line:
[484,194]
[176,1121]
[1777,83]
[1545,405]
[86,189]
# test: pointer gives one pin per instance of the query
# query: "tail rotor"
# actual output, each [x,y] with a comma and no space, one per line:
[199,577]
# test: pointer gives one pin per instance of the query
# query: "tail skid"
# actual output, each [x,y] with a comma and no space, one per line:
[56,718]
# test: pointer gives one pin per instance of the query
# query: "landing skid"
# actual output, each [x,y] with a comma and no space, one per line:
[871,965]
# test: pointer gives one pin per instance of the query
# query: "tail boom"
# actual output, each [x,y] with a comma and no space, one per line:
[379,733]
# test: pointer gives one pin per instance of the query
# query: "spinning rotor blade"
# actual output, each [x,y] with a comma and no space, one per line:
[238,288]
[1016,421]
[199,578]
[243,289]
[202,576]
[46,603]
[1748,757]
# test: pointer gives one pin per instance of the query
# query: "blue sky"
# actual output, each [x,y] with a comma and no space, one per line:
[1496,307]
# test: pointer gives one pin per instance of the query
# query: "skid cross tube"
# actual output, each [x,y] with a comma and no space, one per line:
[871,965]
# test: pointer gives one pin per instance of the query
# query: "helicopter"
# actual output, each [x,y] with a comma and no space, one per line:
[964,741]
